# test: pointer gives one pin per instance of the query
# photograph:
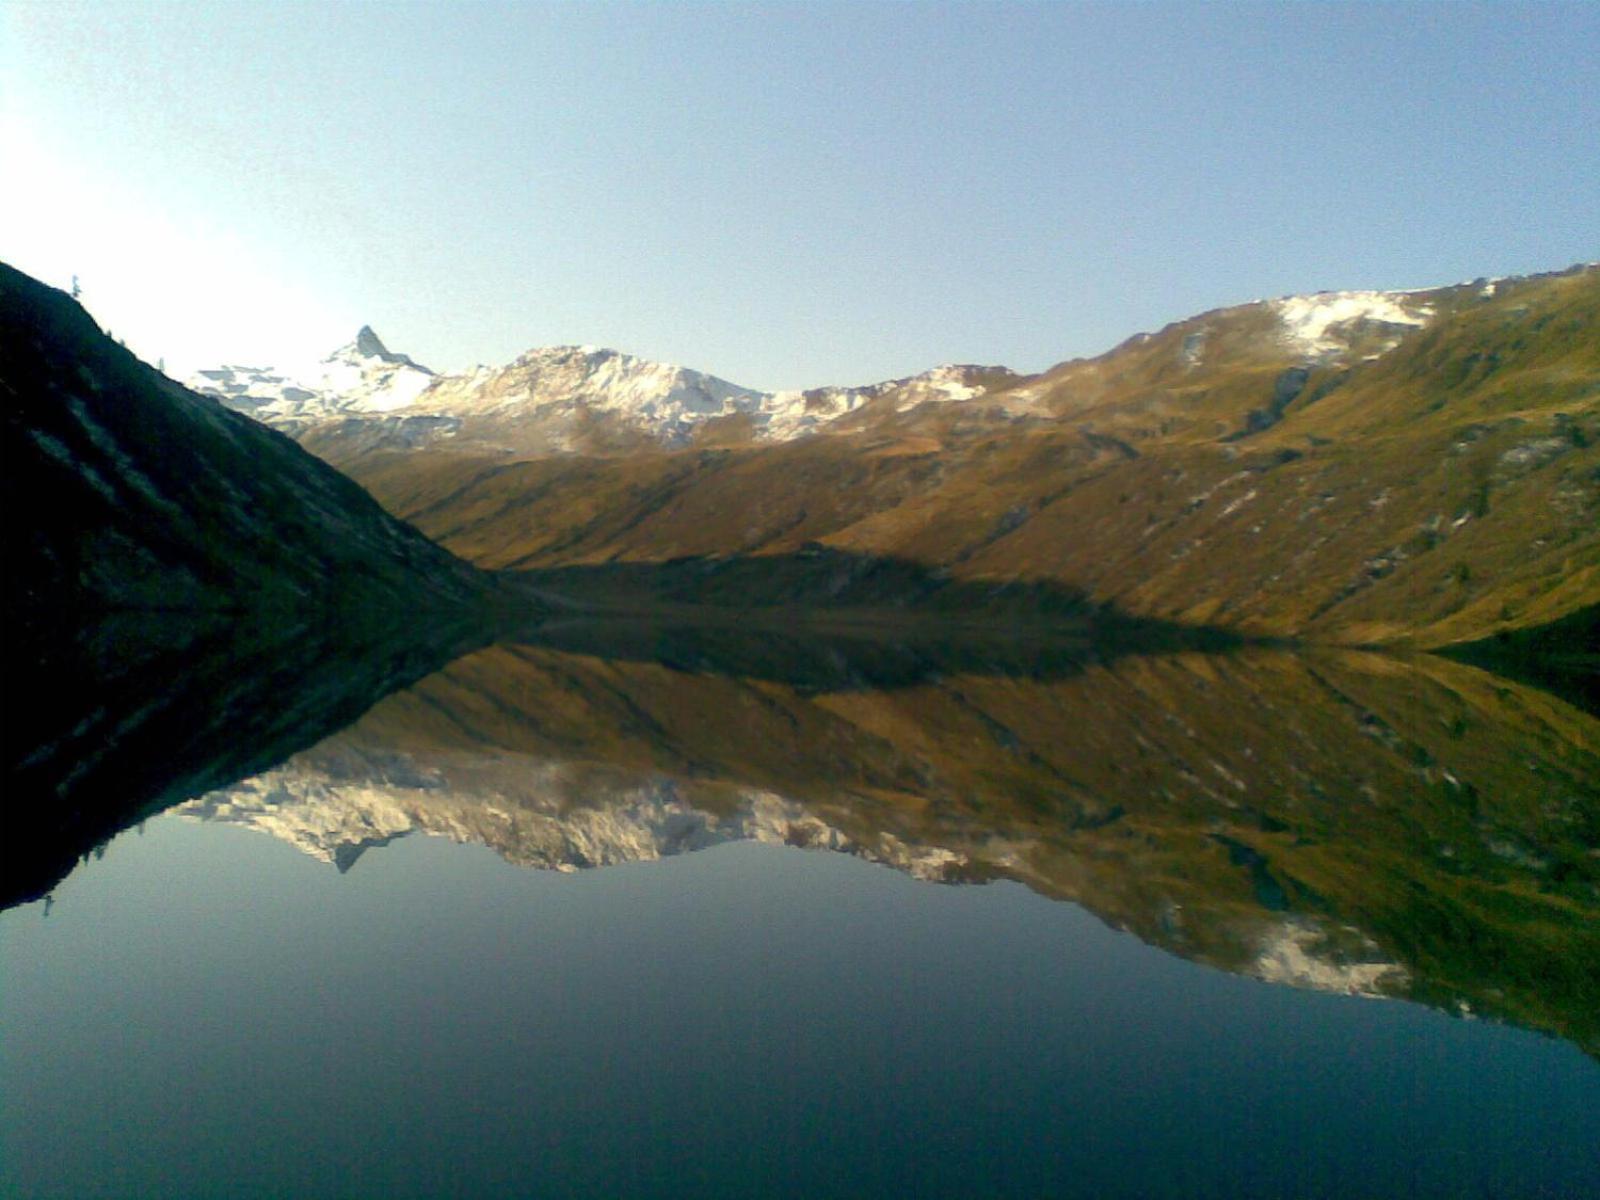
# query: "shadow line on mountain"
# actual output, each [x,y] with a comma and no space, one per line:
[1561,657]
[829,620]
[894,622]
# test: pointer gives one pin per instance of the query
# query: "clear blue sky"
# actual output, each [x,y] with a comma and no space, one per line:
[784,195]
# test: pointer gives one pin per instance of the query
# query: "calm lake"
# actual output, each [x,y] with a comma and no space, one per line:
[723,916]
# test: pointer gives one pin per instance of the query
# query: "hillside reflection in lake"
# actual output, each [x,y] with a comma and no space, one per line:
[206,1010]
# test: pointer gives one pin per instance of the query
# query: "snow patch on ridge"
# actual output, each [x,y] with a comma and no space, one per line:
[1310,323]
[792,414]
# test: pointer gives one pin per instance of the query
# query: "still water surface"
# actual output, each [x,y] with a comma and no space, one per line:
[207,1011]
[1157,927]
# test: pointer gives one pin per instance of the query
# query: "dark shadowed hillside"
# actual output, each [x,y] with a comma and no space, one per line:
[124,489]
[189,596]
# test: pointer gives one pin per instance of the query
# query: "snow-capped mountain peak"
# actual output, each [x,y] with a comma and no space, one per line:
[368,350]
[362,376]
[558,387]
[557,397]
[370,345]
[565,398]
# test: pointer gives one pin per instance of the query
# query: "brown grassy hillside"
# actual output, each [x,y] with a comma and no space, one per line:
[1426,486]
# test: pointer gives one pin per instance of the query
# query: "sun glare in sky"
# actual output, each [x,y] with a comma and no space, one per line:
[172,293]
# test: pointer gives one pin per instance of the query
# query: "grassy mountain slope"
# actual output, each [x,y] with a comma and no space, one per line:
[1444,490]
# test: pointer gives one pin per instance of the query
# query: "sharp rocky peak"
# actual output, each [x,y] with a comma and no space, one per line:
[368,345]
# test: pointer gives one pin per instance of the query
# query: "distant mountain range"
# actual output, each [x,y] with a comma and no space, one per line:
[562,399]
[558,399]
[1418,467]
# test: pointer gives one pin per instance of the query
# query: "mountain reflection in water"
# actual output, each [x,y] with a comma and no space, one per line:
[113,720]
[1339,820]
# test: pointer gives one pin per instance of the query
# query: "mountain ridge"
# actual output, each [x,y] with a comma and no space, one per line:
[1419,467]
[667,402]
